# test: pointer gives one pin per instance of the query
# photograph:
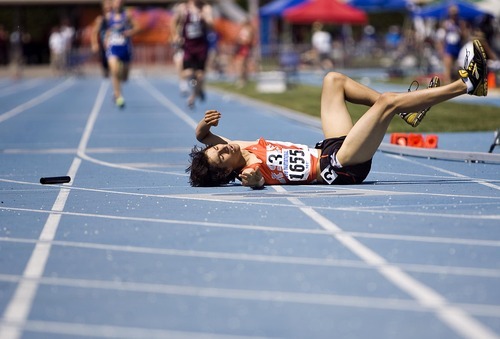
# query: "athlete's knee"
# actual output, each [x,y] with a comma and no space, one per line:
[334,79]
[200,74]
[387,102]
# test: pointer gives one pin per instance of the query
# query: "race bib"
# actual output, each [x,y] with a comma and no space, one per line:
[117,39]
[294,163]
[453,38]
[194,30]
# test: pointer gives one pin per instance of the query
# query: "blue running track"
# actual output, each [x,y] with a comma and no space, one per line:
[128,249]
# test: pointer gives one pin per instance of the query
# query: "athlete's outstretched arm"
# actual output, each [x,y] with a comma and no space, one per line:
[252,178]
[94,38]
[203,133]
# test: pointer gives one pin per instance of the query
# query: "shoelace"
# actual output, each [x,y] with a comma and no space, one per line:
[466,61]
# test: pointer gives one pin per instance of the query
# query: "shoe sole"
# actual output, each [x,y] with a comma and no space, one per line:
[482,54]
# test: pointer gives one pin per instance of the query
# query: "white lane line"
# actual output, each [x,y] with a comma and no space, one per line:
[82,146]
[110,331]
[456,318]
[100,150]
[18,308]
[242,294]
[230,197]
[275,259]
[38,100]
[167,103]
[15,89]
[103,163]
[454,174]
[429,176]
[234,199]
[329,299]
[443,240]
[420,214]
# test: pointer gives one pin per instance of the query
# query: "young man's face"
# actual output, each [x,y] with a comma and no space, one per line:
[107,5]
[117,4]
[226,156]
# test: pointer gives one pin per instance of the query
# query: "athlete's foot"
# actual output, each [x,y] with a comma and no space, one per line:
[120,102]
[190,102]
[415,118]
[184,88]
[201,95]
[475,73]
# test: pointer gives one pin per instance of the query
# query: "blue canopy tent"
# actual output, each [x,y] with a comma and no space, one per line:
[466,10]
[270,12]
[378,6]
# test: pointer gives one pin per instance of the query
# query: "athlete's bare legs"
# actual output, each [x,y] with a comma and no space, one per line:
[114,67]
[364,138]
[337,89]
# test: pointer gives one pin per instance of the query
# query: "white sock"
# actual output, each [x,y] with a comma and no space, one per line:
[470,86]
[183,85]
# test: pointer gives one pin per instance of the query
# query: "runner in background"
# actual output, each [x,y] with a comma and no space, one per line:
[121,28]
[190,25]
[243,53]
[98,35]
[451,35]
[178,55]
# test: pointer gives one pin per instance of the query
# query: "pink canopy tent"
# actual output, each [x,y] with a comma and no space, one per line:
[326,11]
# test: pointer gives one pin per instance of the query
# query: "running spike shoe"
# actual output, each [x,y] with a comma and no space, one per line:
[475,73]
[415,118]
[120,102]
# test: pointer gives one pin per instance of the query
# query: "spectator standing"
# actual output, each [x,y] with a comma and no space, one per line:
[451,35]
[4,46]
[322,45]
[57,51]
[98,35]
[67,33]
[16,53]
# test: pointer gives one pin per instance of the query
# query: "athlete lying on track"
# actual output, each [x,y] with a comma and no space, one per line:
[345,155]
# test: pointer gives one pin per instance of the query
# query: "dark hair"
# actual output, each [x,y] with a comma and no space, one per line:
[200,3]
[203,174]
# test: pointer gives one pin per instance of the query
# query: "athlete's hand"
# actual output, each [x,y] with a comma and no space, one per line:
[212,117]
[252,178]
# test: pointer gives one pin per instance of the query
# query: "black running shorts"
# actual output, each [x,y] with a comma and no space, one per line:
[334,174]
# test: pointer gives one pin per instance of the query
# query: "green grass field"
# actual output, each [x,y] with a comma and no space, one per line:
[445,117]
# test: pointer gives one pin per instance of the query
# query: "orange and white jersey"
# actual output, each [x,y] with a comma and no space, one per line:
[285,162]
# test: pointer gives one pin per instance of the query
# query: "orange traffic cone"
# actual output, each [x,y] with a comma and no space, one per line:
[400,139]
[415,140]
[492,80]
[431,141]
